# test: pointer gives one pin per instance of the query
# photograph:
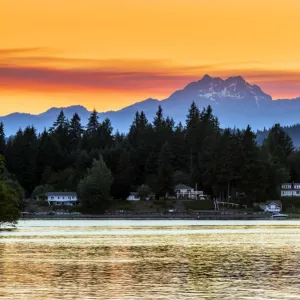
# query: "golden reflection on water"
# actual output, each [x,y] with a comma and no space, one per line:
[150,262]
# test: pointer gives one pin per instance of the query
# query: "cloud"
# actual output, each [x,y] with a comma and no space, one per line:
[17,51]
[33,69]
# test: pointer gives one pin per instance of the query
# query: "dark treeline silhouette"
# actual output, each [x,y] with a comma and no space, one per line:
[158,153]
[293,131]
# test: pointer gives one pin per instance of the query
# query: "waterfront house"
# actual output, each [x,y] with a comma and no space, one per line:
[133,196]
[273,206]
[62,198]
[183,191]
[270,206]
[290,190]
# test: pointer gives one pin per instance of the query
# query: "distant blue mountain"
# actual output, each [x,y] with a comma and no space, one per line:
[235,102]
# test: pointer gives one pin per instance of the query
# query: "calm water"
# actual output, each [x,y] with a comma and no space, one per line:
[151,260]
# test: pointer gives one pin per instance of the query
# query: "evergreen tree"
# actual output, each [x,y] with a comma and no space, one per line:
[165,172]
[75,131]
[22,157]
[93,123]
[123,177]
[105,134]
[9,212]
[253,173]
[141,143]
[205,170]
[91,136]
[224,174]
[60,123]
[2,139]
[180,157]
[94,188]
[60,131]
[279,143]
[9,201]
[192,135]
[50,154]
[159,121]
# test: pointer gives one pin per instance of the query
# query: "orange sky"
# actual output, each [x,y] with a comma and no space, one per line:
[109,54]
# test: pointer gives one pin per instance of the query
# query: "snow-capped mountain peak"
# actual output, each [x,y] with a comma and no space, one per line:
[233,88]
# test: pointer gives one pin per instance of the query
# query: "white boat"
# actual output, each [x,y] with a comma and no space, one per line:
[279,216]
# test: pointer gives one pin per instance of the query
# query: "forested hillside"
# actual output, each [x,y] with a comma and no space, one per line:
[292,131]
[97,163]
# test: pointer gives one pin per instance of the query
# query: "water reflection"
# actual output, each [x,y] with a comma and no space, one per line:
[248,263]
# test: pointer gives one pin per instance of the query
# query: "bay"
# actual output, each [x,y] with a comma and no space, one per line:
[159,259]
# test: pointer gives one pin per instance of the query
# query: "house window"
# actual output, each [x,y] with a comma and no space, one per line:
[52,197]
[58,197]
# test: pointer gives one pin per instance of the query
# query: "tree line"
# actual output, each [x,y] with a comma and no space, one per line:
[293,131]
[158,153]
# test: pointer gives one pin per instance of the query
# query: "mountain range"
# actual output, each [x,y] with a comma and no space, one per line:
[234,101]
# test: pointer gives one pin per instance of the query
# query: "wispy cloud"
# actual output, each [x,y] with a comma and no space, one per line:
[33,69]
[12,51]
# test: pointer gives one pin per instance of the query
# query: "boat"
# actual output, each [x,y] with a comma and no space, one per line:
[279,216]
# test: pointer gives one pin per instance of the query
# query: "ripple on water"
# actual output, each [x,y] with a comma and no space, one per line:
[159,261]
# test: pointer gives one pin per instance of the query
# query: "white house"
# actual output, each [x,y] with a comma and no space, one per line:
[133,196]
[62,198]
[270,206]
[187,192]
[273,206]
[290,190]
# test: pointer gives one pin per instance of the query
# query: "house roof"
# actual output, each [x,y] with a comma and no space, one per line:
[182,187]
[133,193]
[263,204]
[62,194]
[278,202]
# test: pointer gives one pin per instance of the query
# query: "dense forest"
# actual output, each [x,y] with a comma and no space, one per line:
[99,164]
[293,131]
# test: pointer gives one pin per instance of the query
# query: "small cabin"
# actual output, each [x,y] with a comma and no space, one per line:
[133,196]
[183,191]
[273,206]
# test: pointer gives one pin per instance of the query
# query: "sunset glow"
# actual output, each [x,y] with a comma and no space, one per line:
[110,54]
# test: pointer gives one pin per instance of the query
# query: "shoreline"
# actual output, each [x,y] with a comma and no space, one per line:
[229,217]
